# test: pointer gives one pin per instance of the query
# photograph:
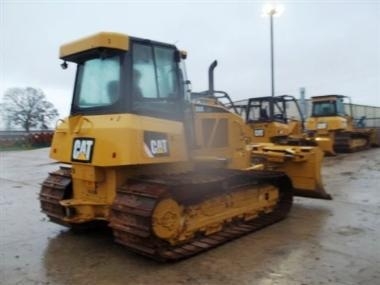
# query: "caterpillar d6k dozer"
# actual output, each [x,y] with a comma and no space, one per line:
[333,128]
[170,174]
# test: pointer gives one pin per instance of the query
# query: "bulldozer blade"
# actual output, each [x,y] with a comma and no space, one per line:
[375,137]
[301,163]
[326,144]
[317,194]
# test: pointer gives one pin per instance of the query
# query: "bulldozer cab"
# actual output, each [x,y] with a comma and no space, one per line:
[329,106]
[269,109]
[128,76]
[270,117]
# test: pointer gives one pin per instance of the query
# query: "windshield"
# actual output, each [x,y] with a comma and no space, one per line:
[260,110]
[98,82]
[324,108]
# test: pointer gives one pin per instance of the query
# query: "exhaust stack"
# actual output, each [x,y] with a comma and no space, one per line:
[211,77]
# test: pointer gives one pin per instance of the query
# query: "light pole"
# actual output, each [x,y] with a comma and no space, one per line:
[272,10]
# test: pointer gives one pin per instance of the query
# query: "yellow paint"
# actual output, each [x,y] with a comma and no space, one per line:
[267,132]
[221,135]
[99,40]
[176,223]
[118,139]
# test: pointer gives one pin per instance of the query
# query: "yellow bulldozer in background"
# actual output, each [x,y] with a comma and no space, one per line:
[334,129]
[275,119]
[279,141]
[169,171]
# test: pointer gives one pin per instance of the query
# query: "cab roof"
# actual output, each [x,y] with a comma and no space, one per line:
[98,40]
[326,97]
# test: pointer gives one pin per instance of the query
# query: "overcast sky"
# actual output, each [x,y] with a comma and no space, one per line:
[325,46]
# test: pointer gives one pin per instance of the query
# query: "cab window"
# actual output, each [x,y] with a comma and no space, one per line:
[155,86]
[97,83]
[324,109]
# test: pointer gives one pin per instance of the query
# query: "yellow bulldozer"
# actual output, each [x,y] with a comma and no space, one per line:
[334,129]
[275,119]
[168,171]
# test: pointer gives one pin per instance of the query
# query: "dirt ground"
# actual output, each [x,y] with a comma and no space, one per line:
[321,242]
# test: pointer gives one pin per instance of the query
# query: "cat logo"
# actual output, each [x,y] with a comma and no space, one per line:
[159,146]
[156,144]
[82,149]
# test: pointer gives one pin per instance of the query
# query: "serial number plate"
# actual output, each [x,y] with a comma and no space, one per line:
[322,126]
[259,132]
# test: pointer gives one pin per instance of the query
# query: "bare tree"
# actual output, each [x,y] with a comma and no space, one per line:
[28,108]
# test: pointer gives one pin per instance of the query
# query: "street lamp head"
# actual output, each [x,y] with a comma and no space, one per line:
[273,10]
